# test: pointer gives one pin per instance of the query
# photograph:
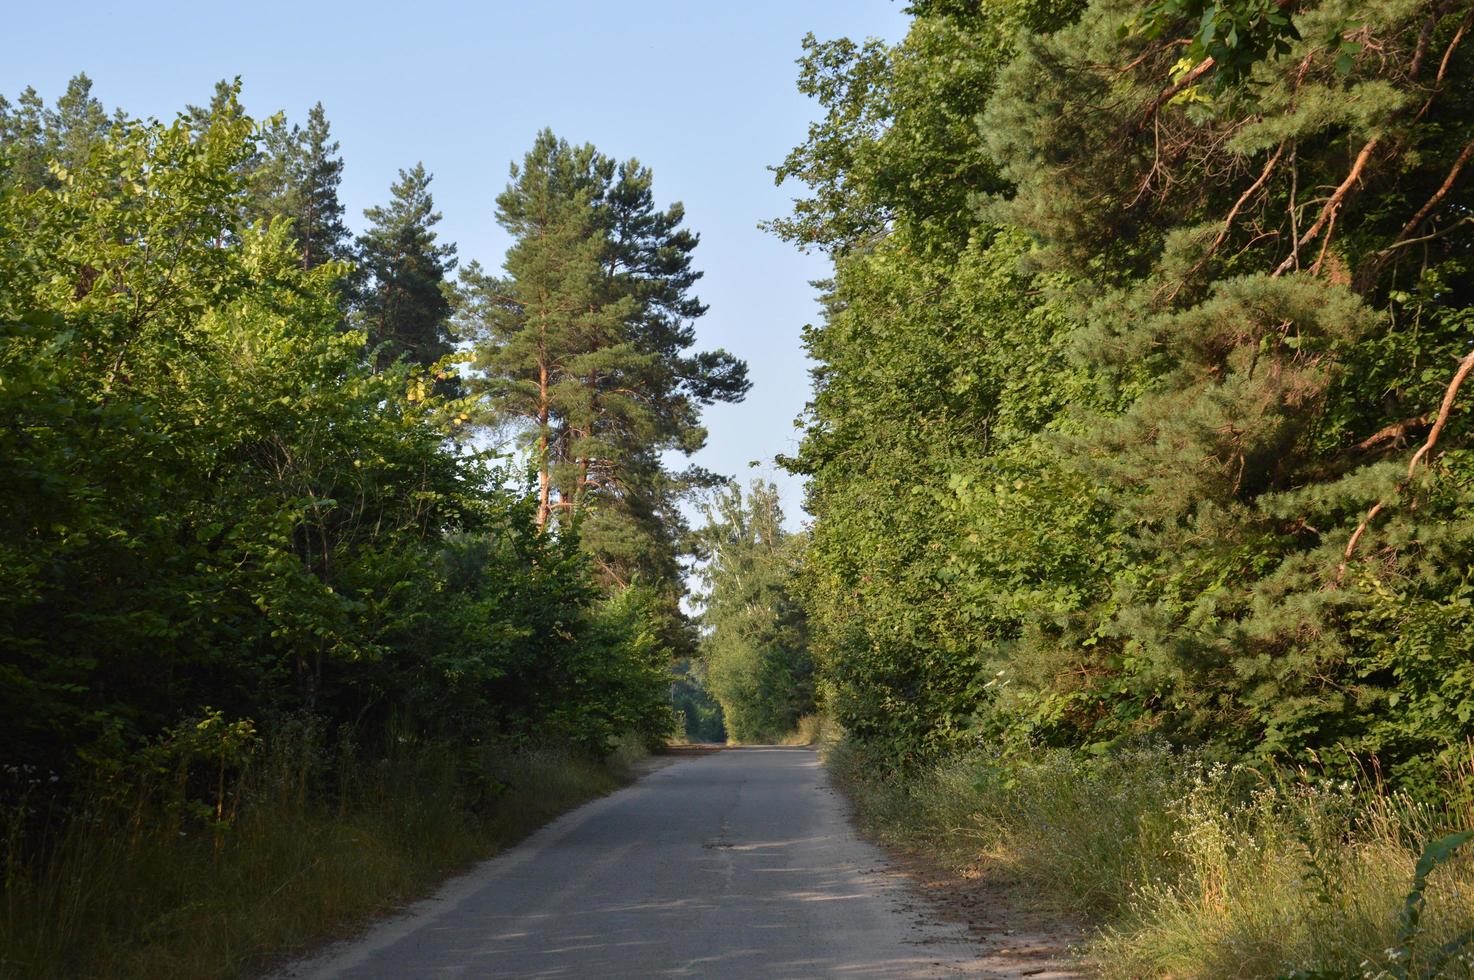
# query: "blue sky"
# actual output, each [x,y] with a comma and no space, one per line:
[703,92]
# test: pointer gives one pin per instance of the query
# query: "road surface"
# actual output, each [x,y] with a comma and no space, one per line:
[738,863]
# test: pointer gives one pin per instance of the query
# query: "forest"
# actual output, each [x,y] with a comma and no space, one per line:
[1149,423]
[1136,568]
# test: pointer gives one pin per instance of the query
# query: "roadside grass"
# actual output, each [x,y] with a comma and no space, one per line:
[809,730]
[154,878]
[1193,870]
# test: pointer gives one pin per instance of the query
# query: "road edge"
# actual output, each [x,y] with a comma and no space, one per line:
[340,952]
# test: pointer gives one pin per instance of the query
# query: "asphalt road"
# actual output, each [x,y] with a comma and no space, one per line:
[739,863]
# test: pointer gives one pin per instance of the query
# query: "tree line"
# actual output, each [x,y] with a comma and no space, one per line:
[755,658]
[1140,402]
[259,468]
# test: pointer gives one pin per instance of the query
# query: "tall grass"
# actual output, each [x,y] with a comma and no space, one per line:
[1194,870]
[192,871]
[809,730]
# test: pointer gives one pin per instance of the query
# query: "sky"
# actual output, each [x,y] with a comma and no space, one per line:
[700,91]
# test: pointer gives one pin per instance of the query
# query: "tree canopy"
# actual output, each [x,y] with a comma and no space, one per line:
[223,500]
[1137,402]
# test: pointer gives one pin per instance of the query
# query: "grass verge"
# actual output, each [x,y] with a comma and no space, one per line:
[161,875]
[1190,870]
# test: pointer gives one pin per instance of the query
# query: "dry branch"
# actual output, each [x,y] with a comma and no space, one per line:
[1379,260]
[1444,410]
[1333,204]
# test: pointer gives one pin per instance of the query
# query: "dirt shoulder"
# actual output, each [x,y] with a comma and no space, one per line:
[1015,935]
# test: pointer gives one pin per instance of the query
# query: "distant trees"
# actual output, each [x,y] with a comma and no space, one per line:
[755,650]
[697,712]
[36,136]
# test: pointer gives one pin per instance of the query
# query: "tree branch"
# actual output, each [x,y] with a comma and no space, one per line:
[1444,410]
[1333,203]
[1379,260]
[1171,91]
[1443,64]
[1233,213]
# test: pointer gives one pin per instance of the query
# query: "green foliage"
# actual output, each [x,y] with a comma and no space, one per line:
[1237,36]
[34,136]
[582,353]
[316,837]
[698,713]
[1437,852]
[402,300]
[311,172]
[214,499]
[1189,868]
[1123,444]
[898,143]
[756,648]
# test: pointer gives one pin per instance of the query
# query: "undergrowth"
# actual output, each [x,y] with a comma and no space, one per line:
[1196,870]
[218,863]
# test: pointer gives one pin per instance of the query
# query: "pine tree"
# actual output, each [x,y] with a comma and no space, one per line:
[606,399]
[402,299]
[23,139]
[539,329]
[293,174]
[316,212]
[33,137]
[264,169]
[77,125]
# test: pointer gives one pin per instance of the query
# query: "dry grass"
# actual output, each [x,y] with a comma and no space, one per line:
[810,730]
[145,884]
[1191,870]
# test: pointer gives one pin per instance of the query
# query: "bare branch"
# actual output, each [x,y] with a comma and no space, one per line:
[1444,410]
[1379,260]
[1443,64]
[1333,203]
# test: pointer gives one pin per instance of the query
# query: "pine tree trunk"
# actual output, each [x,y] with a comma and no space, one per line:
[544,476]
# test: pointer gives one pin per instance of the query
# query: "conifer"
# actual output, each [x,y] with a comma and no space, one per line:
[402,301]
[583,346]
[316,212]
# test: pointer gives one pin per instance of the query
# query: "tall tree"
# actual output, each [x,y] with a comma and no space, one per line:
[313,204]
[585,343]
[550,323]
[402,302]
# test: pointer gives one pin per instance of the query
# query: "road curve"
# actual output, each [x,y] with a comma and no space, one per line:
[739,863]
